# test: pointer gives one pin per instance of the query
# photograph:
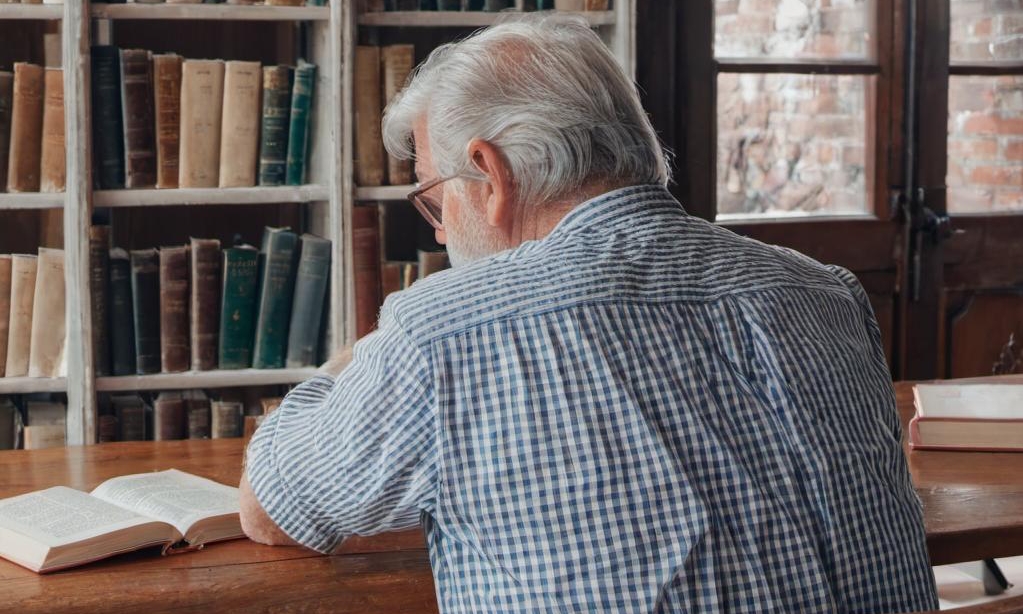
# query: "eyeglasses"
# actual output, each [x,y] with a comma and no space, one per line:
[427,206]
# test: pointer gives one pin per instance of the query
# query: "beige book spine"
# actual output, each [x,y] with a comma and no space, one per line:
[285,2]
[53,164]
[44,436]
[5,308]
[369,147]
[239,135]
[48,325]
[202,97]
[19,334]
[26,129]
[397,63]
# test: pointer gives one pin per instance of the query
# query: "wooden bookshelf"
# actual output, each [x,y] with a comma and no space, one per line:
[463,19]
[385,192]
[23,385]
[203,379]
[31,11]
[229,12]
[210,196]
[31,200]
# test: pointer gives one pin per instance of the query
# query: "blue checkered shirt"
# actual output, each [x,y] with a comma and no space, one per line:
[641,412]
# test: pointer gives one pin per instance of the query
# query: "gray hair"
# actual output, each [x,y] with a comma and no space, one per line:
[545,91]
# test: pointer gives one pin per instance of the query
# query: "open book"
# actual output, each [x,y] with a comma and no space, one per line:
[62,527]
[967,416]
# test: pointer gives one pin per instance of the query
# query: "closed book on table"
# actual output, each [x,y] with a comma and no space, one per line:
[53,163]
[227,419]
[145,295]
[26,128]
[99,293]
[276,289]
[298,131]
[19,333]
[6,103]
[968,416]
[137,119]
[169,419]
[131,417]
[311,285]
[366,262]
[369,146]
[122,315]
[175,351]
[273,145]
[5,308]
[204,304]
[167,114]
[239,136]
[48,320]
[197,410]
[397,61]
[202,97]
[107,126]
[238,307]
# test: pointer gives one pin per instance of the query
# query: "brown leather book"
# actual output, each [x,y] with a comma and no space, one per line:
[197,408]
[53,165]
[270,404]
[174,346]
[6,101]
[169,417]
[369,146]
[5,307]
[107,427]
[239,135]
[205,303]
[397,61]
[19,333]
[366,260]
[202,96]
[99,294]
[227,419]
[137,119]
[285,2]
[26,129]
[48,318]
[167,105]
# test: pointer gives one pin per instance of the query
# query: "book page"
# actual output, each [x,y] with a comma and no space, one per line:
[62,515]
[173,496]
[970,401]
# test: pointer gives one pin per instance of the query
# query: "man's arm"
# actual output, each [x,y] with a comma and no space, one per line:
[256,524]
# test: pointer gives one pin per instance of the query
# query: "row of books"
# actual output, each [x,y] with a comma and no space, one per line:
[163,121]
[32,314]
[484,5]
[236,2]
[32,129]
[199,307]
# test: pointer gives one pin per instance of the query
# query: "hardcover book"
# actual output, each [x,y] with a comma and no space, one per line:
[967,416]
[48,320]
[298,131]
[53,163]
[145,294]
[19,332]
[227,419]
[238,307]
[277,285]
[26,128]
[131,417]
[107,127]
[398,61]
[122,315]
[239,137]
[202,97]
[197,410]
[273,146]
[204,308]
[172,508]
[307,306]
[169,419]
[167,113]
[366,261]
[369,146]
[99,292]
[175,351]
[137,119]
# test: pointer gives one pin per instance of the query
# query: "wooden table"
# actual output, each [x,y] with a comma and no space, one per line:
[973,507]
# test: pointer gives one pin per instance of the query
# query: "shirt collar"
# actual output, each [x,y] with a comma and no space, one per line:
[617,209]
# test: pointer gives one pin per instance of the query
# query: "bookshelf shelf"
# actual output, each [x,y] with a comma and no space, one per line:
[203,379]
[462,19]
[210,196]
[32,200]
[210,12]
[25,385]
[31,11]
[386,192]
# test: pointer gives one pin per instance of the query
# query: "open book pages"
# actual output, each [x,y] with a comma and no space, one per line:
[968,416]
[62,527]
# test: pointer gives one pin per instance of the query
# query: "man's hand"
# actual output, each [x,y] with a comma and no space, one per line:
[337,364]
[255,522]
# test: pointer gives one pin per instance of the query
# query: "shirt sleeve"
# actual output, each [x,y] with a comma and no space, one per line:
[355,455]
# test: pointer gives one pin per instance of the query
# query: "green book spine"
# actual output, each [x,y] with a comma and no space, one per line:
[107,127]
[307,307]
[497,5]
[122,319]
[238,308]
[145,294]
[276,287]
[273,145]
[316,3]
[298,132]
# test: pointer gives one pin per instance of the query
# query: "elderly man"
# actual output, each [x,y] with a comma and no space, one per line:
[606,405]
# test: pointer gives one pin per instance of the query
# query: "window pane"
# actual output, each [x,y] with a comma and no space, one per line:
[985,30]
[791,29]
[791,144]
[985,144]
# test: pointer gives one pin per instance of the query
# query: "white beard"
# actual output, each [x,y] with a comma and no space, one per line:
[471,242]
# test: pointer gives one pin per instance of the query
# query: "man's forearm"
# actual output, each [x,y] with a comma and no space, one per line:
[256,523]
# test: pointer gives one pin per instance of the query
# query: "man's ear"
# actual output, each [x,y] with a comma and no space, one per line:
[489,160]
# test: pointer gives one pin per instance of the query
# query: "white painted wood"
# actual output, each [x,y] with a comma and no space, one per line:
[23,385]
[81,394]
[210,196]
[34,200]
[343,297]
[203,379]
[386,192]
[466,19]
[31,11]
[211,11]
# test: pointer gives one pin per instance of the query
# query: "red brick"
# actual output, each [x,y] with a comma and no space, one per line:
[1013,151]
[969,200]
[1009,199]
[997,175]
[972,149]
[993,124]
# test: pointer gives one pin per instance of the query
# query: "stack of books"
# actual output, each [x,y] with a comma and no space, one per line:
[32,314]
[485,5]
[980,415]
[199,307]
[32,129]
